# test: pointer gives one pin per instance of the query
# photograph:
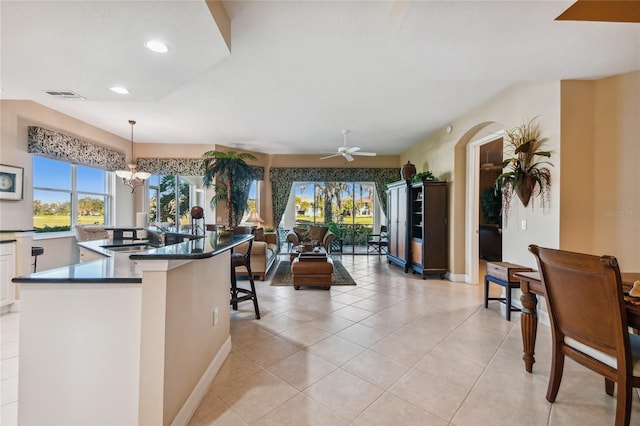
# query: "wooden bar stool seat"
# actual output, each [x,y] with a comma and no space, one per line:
[502,273]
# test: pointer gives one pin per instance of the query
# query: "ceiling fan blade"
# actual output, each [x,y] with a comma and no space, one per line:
[330,156]
[352,149]
[348,156]
[368,154]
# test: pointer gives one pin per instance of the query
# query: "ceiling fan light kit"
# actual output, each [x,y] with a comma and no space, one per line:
[348,151]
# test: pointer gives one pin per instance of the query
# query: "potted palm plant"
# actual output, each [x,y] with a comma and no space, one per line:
[230,176]
[523,173]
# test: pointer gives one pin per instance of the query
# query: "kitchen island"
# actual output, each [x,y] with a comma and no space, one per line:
[128,339]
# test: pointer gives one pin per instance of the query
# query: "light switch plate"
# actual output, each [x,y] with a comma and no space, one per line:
[523,225]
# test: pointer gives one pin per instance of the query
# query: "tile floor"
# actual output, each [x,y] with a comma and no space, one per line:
[393,350]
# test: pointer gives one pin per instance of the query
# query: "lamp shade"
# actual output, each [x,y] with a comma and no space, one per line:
[254,217]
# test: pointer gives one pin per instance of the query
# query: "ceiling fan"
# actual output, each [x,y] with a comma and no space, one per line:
[348,152]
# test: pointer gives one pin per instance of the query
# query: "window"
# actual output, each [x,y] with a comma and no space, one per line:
[164,190]
[348,208]
[253,202]
[66,194]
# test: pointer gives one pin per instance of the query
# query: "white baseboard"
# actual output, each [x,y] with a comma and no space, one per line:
[459,278]
[191,404]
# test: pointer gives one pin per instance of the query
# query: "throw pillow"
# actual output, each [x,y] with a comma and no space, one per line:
[258,234]
[317,232]
[300,232]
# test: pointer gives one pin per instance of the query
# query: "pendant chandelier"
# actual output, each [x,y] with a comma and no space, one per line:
[131,177]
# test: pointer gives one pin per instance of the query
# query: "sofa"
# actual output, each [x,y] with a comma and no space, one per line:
[321,234]
[264,253]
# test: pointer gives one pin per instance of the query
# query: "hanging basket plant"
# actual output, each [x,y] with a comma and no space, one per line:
[524,173]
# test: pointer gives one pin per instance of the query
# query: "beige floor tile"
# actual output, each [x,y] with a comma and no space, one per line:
[235,367]
[353,313]
[431,393]
[376,369]
[253,396]
[344,394]
[304,335]
[346,298]
[400,351]
[391,410]
[248,334]
[452,368]
[335,350]
[331,323]
[302,369]
[276,323]
[269,351]
[214,412]
[301,410]
[362,335]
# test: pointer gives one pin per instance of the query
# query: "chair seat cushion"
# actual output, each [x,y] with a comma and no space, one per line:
[611,361]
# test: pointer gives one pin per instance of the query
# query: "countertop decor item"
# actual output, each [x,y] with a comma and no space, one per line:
[408,171]
[232,177]
[523,172]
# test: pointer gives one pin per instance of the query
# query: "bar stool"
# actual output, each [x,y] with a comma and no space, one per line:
[35,252]
[239,294]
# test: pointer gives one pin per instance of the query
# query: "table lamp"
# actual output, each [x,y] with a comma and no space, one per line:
[255,218]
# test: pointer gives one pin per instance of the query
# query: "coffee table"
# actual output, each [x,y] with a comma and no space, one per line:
[295,252]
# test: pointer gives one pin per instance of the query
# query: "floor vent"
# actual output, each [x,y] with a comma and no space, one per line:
[65,94]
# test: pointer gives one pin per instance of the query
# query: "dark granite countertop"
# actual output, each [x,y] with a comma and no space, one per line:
[120,267]
[7,241]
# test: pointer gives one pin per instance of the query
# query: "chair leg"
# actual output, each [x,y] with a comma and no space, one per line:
[609,386]
[234,290]
[555,376]
[486,293]
[253,292]
[623,404]
[508,303]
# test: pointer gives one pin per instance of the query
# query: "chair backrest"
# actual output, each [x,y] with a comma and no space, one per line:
[383,232]
[585,301]
[239,230]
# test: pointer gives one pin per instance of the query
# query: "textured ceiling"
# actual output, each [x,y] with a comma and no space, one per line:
[299,71]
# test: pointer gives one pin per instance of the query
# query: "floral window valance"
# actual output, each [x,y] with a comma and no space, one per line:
[172,166]
[58,146]
[181,166]
[282,179]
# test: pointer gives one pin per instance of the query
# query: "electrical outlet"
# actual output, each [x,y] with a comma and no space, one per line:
[215,316]
[523,225]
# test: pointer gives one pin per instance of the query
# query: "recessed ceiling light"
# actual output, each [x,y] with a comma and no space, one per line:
[157,46]
[119,90]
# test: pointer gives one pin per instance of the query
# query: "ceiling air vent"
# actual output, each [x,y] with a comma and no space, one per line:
[65,94]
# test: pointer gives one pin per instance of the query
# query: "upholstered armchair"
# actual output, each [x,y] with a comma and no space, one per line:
[314,233]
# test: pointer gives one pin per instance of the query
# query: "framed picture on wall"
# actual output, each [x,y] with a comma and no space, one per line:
[11,182]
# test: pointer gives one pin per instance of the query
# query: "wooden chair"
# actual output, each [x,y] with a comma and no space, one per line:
[239,294]
[589,323]
[378,243]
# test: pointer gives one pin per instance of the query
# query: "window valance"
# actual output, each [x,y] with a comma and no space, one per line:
[172,166]
[59,146]
[181,166]
[282,179]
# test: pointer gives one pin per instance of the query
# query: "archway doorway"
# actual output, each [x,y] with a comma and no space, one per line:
[483,229]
